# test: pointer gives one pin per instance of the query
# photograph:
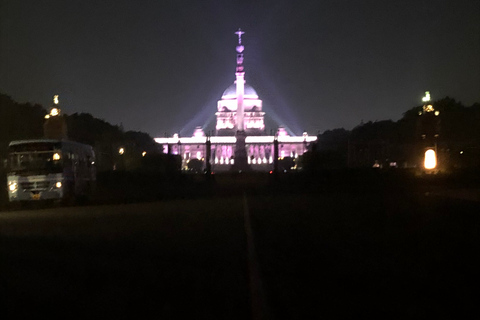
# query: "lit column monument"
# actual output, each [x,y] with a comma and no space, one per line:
[429,125]
[240,163]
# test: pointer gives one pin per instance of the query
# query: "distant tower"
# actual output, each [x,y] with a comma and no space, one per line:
[429,130]
[55,126]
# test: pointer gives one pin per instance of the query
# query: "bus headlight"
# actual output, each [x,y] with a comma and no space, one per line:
[58,185]
[12,186]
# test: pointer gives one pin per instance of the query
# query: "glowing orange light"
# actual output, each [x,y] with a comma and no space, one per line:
[54,112]
[430,159]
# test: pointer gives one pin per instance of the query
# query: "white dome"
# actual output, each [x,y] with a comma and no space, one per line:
[231,92]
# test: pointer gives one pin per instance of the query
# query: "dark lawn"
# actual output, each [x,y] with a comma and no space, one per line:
[343,255]
[339,245]
[170,260]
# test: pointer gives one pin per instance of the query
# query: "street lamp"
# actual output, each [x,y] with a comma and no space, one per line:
[430,159]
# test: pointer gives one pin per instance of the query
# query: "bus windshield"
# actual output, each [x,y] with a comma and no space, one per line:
[34,159]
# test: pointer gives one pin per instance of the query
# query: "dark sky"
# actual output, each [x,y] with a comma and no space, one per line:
[160,66]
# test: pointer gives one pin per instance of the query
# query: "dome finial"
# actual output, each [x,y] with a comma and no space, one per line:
[239,49]
[239,33]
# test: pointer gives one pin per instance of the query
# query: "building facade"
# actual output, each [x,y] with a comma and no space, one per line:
[239,117]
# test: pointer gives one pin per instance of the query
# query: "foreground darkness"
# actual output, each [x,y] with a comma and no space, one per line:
[332,245]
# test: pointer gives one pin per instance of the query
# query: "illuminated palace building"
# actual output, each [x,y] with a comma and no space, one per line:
[239,135]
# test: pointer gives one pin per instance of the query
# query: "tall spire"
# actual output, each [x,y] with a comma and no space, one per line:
[241,163]
[239,32]
[240,74]
[240,49]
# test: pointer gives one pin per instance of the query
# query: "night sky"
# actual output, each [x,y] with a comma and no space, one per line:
[160,66]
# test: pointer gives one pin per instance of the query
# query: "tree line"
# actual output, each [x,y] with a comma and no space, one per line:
[390,143]
[19,121]
[384,143]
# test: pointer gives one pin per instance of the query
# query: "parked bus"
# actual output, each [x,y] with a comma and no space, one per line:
[47,169]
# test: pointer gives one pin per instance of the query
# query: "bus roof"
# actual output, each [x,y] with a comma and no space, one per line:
[29,141]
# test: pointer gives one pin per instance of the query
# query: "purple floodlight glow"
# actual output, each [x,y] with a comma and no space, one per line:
[203,117]
[280,122]
[282,111]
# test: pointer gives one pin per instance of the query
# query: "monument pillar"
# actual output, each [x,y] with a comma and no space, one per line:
[208,152]
[241,163]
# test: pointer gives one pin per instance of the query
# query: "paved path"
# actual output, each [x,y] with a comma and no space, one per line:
[257,294]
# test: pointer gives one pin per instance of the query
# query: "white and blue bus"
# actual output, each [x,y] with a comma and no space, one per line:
[47,169]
